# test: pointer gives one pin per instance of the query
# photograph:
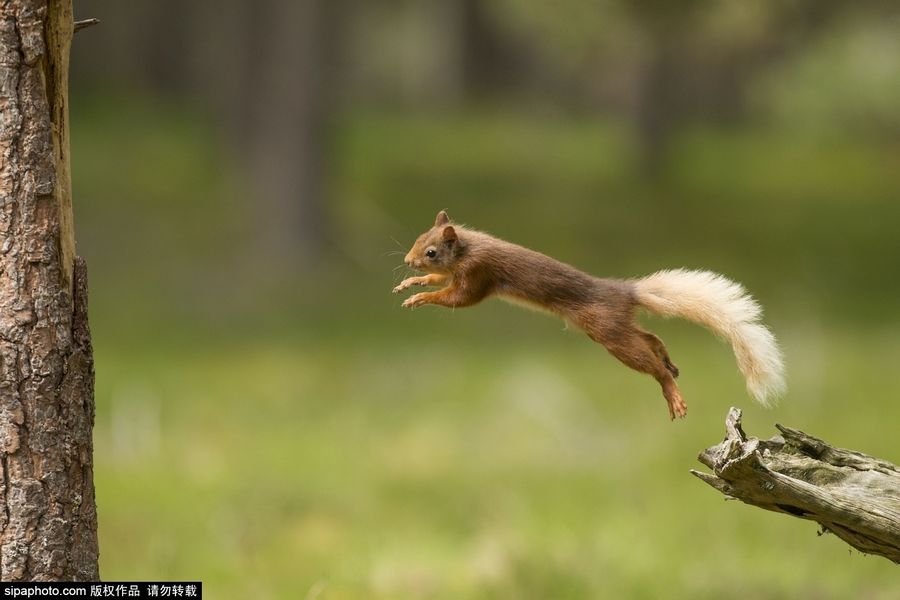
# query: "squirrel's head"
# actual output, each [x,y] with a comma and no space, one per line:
[436,250]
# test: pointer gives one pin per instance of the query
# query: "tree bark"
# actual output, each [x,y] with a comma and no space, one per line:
[48,519]
[850,494]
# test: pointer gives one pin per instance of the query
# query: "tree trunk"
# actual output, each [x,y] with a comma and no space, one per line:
[48,519]
[285,109]
[657,108]
[490,61]
[852,495]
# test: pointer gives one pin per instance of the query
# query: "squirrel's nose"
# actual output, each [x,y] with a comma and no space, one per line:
[408,260]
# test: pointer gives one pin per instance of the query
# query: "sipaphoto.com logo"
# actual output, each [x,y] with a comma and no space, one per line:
[47,590]
[96,589]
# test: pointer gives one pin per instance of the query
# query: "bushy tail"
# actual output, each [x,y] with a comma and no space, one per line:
[726,308]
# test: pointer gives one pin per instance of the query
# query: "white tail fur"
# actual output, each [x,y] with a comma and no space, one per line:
[726,308]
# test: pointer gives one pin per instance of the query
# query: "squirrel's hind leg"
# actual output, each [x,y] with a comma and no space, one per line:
[643,352]
[660,350]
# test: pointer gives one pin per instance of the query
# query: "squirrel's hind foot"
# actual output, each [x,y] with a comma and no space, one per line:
[677,406]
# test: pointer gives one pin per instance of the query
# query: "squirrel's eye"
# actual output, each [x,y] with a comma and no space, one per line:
[431,253]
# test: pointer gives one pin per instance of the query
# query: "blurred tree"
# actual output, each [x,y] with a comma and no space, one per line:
[665,63]
[271,70]
[267,71]
[283,102]
[490,60]
[48,521]
[847,82]
[663,76]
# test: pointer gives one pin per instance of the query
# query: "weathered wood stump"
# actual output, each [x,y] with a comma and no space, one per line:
[850,494]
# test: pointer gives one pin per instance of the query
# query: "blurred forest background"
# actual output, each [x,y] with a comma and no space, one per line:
[247,176]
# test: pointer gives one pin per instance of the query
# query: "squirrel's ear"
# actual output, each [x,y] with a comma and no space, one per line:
[441,219]
[449,234]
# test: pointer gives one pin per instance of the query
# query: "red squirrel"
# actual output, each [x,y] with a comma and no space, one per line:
[470,265]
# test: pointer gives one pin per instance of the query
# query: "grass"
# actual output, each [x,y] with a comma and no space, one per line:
[443,471]
[312,439]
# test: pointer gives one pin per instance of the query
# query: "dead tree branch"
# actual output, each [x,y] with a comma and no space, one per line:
[84,23]
[850,494]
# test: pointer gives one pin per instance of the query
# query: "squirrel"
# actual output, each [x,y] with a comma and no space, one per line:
[470,265]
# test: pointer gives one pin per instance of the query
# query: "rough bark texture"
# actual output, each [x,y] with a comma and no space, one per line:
[850,494]
[48,520]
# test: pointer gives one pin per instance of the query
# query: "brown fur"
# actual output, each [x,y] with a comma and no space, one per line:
[473,265]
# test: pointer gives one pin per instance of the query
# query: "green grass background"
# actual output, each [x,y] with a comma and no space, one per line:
[308,438]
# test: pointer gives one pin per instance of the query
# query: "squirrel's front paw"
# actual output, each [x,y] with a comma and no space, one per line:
[406,283]
[414,301]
